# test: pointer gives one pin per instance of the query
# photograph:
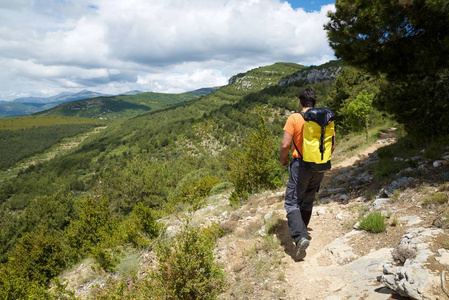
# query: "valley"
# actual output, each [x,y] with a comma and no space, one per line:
[107,201]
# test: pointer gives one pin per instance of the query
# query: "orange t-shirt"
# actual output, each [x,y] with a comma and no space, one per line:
[294,126]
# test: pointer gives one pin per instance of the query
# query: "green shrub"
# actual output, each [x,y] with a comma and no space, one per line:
[186,267]
[106,258]
[444,176]
[146,220]
[395,222]
[221,187]
[373,222]
[95,224]
[238,198]
[14,287]
[39,257]
[256,166]
[198,190]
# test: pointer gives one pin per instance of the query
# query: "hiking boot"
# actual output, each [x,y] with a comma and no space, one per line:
[301,247]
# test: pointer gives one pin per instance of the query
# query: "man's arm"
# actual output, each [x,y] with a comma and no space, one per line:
[285,149]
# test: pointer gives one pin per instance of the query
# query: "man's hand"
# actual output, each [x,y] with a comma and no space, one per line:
[284,163]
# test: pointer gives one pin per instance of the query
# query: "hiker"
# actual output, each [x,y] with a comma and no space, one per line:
[304,181]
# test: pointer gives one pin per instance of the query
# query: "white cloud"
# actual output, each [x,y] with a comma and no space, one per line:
[181,82]
[163,46]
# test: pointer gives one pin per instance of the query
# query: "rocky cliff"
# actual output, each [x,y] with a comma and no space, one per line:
[313,75]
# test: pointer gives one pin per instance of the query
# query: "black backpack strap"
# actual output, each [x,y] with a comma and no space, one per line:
[297,149]
[322,148]
[299,152]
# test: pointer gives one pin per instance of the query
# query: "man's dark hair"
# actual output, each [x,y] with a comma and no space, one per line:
[307,97]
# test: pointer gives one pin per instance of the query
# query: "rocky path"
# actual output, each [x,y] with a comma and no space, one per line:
[345,263]
[409,258]
[332,269]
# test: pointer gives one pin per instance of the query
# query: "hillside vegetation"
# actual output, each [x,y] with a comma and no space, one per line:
[26,136]
[120,106]
[102,199]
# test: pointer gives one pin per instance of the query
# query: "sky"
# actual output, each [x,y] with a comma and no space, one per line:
[172,46]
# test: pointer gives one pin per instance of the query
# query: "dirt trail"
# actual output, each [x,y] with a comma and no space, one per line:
[331,269]
[341,263]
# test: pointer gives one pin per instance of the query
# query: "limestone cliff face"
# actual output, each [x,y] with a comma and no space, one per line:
[234,78]
[313,75]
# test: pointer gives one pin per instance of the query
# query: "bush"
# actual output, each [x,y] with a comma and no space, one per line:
[236,199]
[373,222]
[221,187]
[146,220]
[15,287]
[256,166]
[39,257]
[186,267]
[198,190]
[95,224]
[106,258]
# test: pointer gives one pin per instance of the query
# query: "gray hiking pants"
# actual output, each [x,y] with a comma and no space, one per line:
[299,196]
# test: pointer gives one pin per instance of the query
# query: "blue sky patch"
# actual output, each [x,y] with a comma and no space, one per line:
[307,5]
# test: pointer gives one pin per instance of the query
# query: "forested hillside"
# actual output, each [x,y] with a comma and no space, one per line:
[26,136]
[120,106]
[109,192]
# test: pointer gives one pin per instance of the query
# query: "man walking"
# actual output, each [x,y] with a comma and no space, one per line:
[303,182]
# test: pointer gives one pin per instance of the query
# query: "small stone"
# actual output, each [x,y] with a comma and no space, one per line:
[388,268]
[437,164]
[344,197]
[340,216]
[379,202]
[326,200]
[320,211]
[262,231]
[268,216]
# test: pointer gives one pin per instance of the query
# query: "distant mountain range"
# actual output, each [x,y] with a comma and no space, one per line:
[30,105]
[60,98]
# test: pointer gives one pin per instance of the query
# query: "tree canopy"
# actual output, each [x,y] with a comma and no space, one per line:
[408,41]
[394,37]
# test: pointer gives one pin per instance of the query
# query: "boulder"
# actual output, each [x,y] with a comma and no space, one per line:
[379,203]
[408,275]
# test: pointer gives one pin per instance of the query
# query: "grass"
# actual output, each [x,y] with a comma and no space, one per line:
[436,198]
[407,147]
[373,222]
[262,264]
[129,265]
[445,244]
[394,222]
[360,209]
[266,260]
[395,195]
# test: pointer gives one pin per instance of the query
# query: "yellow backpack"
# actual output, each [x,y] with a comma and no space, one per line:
[318,138]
